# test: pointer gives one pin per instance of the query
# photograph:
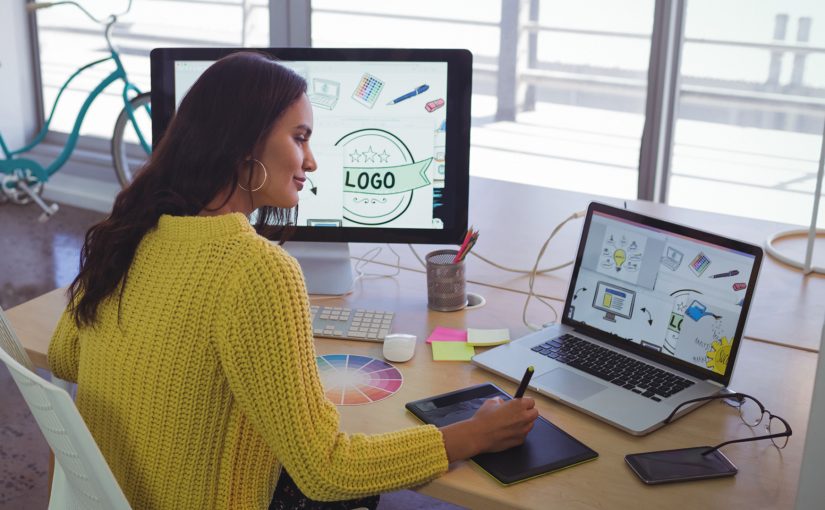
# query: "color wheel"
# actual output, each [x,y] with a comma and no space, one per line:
[351,380]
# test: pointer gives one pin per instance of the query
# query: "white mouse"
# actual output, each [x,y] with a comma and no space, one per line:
[399,347]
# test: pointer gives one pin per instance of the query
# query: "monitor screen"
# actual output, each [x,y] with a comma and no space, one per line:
[390,137]
[673,291]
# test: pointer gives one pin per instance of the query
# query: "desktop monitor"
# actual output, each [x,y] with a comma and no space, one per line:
[391,138]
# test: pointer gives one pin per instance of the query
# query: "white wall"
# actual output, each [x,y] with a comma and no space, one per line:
[17,99]
[811,492]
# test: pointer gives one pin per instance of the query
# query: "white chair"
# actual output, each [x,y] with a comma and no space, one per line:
[82,479]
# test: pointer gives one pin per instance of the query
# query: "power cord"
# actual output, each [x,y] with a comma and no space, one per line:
[531,272]
[366,259]
[535,271]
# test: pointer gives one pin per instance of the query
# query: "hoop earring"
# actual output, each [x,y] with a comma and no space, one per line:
[253,161]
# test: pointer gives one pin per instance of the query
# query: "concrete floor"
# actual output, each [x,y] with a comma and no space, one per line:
[36,258]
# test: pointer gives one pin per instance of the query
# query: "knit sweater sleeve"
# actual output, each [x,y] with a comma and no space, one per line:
[64,348]
[264,341]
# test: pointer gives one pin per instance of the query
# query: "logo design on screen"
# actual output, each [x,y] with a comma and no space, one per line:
[380,176]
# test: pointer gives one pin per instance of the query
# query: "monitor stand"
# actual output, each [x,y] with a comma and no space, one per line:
[326,266]
[610,316]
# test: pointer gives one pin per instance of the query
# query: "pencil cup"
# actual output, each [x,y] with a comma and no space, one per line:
[446,286]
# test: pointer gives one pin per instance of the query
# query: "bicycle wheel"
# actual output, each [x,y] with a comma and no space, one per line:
[127,154]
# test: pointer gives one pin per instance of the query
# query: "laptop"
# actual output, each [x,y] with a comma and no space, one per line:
[640,334]
[672,259]
[324,93]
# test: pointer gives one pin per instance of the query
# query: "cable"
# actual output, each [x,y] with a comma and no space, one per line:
[521,271]
[531,272]
[423,264]
[367,259]
[360,263]
[576,215]
[535,271]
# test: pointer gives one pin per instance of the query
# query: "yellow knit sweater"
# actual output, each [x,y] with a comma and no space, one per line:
[209,382]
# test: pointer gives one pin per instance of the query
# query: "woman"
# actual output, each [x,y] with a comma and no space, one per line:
[189,334]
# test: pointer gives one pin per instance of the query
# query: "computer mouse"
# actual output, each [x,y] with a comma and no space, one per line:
[399,347]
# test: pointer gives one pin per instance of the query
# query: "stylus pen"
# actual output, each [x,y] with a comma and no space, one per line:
[528,374]
[419,90]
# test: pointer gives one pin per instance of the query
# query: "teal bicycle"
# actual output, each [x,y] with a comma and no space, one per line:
[22,179]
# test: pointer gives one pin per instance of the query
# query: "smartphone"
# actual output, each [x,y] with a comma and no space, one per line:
[680,465]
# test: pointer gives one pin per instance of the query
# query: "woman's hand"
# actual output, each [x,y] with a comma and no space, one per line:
[504,424]
[496,426]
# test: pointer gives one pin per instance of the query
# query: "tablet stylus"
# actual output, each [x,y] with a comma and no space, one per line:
[528,374]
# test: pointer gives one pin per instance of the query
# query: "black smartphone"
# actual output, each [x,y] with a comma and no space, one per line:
[680,465]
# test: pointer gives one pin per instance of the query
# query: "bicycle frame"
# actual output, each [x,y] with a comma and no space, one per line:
[12,163]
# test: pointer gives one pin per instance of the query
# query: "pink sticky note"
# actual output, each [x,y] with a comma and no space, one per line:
[442,334]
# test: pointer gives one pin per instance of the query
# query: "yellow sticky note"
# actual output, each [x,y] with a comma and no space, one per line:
[452,351]
[487,337]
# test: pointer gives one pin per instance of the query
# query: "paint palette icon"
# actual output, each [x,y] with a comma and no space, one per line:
[699,264]
[354,380]
[368,90]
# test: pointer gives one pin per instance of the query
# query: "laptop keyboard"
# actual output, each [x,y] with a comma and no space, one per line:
[621,370]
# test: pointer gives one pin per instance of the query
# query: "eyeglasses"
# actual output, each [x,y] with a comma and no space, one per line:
[752,412]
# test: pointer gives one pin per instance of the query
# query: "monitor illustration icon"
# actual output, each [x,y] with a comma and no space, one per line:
[614,301]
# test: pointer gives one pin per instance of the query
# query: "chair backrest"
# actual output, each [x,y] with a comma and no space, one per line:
[89,483]
[11,344]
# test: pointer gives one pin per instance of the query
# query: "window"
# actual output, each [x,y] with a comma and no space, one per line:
[559,87]
[68,40]
[752,98]
[581,87]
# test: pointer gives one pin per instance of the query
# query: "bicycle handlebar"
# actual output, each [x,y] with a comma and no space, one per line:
[38,5]
[31,7]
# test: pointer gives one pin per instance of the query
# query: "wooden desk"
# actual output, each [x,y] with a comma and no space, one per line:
[515,219]
[779,376]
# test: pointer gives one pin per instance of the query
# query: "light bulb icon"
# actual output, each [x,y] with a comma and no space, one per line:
[619,257]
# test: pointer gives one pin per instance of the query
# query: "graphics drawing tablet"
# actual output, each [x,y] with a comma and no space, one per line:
[546,449]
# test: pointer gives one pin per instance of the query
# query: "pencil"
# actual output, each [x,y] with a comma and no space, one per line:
[467,238]
[469,247]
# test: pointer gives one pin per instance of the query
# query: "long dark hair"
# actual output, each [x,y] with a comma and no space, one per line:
[226,113]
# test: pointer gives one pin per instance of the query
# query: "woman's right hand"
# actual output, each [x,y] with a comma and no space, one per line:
[496,426]
[503,424]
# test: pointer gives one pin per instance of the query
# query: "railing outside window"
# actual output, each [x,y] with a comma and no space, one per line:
[559,87]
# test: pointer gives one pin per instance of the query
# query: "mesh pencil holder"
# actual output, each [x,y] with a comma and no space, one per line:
[446,284]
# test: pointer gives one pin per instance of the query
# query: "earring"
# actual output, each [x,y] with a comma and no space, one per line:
[253,161]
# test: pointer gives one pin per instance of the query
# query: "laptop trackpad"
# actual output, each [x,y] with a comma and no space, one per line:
[569,383]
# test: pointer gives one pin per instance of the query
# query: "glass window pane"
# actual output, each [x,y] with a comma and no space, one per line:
[751,104]
[588,79]
[68,40]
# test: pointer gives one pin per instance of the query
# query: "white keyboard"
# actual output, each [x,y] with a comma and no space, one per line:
[349,324]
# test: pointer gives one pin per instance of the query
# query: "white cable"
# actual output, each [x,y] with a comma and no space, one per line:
[521,271]
[423,264]
[534,272]
[362,261]
[367,259]
[579,214]
[531,272]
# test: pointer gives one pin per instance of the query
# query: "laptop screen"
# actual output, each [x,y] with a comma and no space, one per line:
[669,290]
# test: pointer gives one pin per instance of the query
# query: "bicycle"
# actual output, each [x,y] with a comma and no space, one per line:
[23,179]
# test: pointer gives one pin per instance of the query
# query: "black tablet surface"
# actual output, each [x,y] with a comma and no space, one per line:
[546,449]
